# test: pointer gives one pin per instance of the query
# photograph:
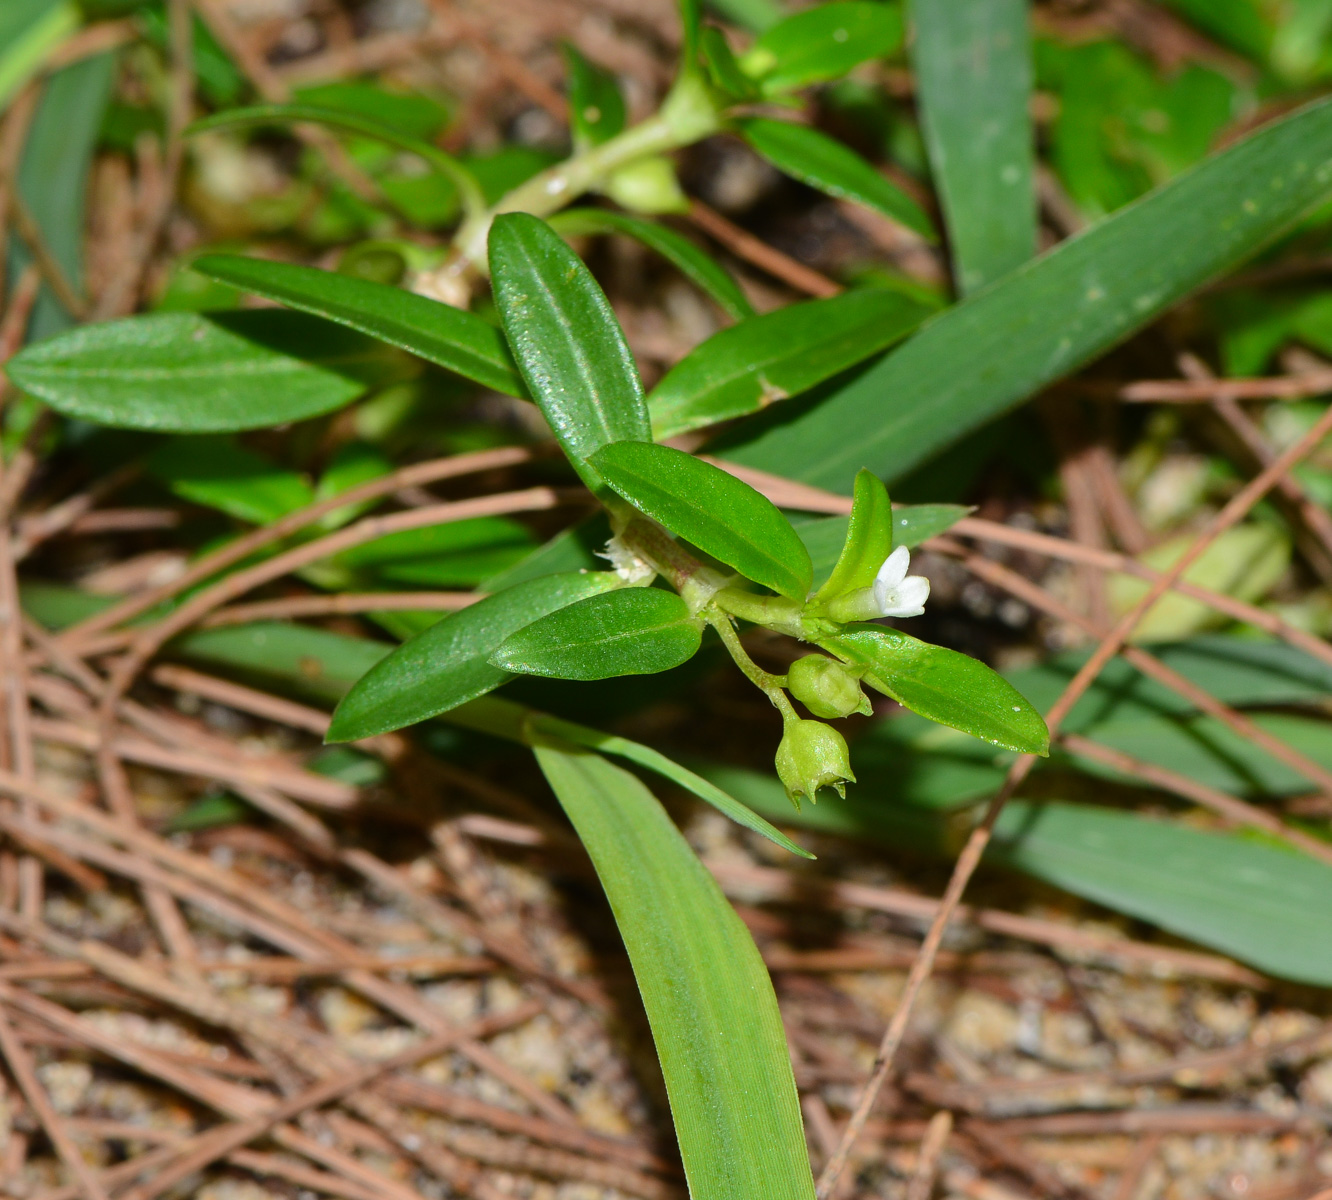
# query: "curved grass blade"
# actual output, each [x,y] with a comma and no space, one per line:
[469,191]
[973,77]
[446,665]
[447,336]
[654,760]
[707,993]
[191,373]
[1058,311]
[827,165]
[717,512]
[692,262]
[950,688]
[780,354]
[637,631]
[566,341]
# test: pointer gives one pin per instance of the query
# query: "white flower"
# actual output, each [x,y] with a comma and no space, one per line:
[896,593]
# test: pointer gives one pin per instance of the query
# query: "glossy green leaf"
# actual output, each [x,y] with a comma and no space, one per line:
[829,166]
[950,688]
[634,631]
[566,340]
[869,538]
[217,473]
[823,42]
[1263,903]
[708,997]
[691,261]
[191,373]
[721,515]
[780,354]
[824,537]
[1058,311]
[596,108]
[29,31]
[446,665]
[654,760]
[972,60]
[354,123]
[439,333]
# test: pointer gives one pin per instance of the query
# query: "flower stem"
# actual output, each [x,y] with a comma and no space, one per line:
[770,685]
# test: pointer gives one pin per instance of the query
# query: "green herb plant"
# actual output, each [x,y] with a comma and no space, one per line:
[819,392]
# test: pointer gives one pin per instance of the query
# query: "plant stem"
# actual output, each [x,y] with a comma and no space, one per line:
[696,582]
[774,612]
[687,115]
[770,685]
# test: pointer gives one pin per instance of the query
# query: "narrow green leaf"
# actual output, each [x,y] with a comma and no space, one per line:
[53,177]
[951,688]
[29,31]
[636,631]
[439,333]
[446,665]
[596,108]
[833,168]
[431,540]
[355,123]
[724,70]
[217,473]
[708,997]
[869,538]
[1263,903]
[566,340]
[191,373]
[972,60]
[692,262]
[654,760]
[825,537]
[780,354]
[823,42]
[691,30]
[717,512]
[1058,311]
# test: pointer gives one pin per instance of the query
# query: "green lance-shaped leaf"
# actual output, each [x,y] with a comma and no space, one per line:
[566,340]
[637,631]
[724,70]
[191,373]
[469,190]
[447,336]
[825,537]
[780,354]
[869,538]
[719,514]
[823,42]
[951,688]
[707,994]
[446,665]
[829,166]
[973,79]
[692,262]
[29,31]
[217,473]
[596,108]
[1058,311]
[654,760]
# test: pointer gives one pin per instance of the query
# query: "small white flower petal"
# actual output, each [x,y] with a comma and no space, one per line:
[908,598]
[894,568]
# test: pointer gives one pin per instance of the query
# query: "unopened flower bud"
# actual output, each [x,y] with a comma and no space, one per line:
[647,186]
[826,687]
[812,755]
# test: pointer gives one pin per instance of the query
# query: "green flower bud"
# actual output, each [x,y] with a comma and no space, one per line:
[812,755]
[647,186]
[826,687]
